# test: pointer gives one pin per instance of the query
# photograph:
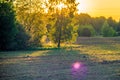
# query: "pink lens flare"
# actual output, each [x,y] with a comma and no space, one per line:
[79,70]
[76,65]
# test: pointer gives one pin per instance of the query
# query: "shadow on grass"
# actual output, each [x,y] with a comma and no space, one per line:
[54,65]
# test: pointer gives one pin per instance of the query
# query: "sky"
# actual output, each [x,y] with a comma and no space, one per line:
[96,8]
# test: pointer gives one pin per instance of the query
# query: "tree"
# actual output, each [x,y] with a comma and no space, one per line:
[83,19]
[97,23]
[31,15]
[118,28]
[62,15]
[112,23]
[8,29]
[107,31]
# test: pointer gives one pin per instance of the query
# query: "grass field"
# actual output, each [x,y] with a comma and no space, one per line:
[97,61]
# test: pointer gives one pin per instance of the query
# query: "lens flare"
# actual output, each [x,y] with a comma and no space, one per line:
[79,70]
[76,65]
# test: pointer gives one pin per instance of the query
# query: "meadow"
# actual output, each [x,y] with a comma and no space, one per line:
[87,59]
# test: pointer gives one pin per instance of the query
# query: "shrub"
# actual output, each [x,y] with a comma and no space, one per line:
[86,30]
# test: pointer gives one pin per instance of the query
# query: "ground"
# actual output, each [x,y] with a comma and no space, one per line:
[94,62]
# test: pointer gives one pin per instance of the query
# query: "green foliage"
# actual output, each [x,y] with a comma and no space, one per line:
[29,13]
[62,30]
[118,28]
[22,38]
[107,31]
[8,29]
[4,1]
[46,18]
[97,24]
[12,35]
[83,19]
[112,23]
[86,30]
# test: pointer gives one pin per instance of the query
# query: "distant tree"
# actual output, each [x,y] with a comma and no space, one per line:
[8,28]
[86,30]
[107,31]
[83,19]
[118,28]
[97,23]
[112,23]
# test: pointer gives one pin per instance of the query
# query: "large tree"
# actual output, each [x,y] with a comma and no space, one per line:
[30,13]
[62,12]
[8,29]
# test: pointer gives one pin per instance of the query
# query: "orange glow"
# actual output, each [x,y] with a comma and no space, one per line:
[83,5]
[96,8]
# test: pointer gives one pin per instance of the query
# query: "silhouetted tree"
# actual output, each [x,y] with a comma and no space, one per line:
[8,29]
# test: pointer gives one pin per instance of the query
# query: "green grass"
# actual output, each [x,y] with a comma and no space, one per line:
[101,60]
[102,51]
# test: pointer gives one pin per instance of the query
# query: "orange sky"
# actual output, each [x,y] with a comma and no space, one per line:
[105,8]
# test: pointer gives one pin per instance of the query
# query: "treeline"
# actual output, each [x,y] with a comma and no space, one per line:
[25,24]
[97,26]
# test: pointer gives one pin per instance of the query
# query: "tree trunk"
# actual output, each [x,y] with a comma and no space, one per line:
[59,38]
[60,30]
[59,43]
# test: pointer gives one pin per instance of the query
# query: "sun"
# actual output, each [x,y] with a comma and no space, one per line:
[82,7]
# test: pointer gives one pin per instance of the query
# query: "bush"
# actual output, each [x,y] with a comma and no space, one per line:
[86,31]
